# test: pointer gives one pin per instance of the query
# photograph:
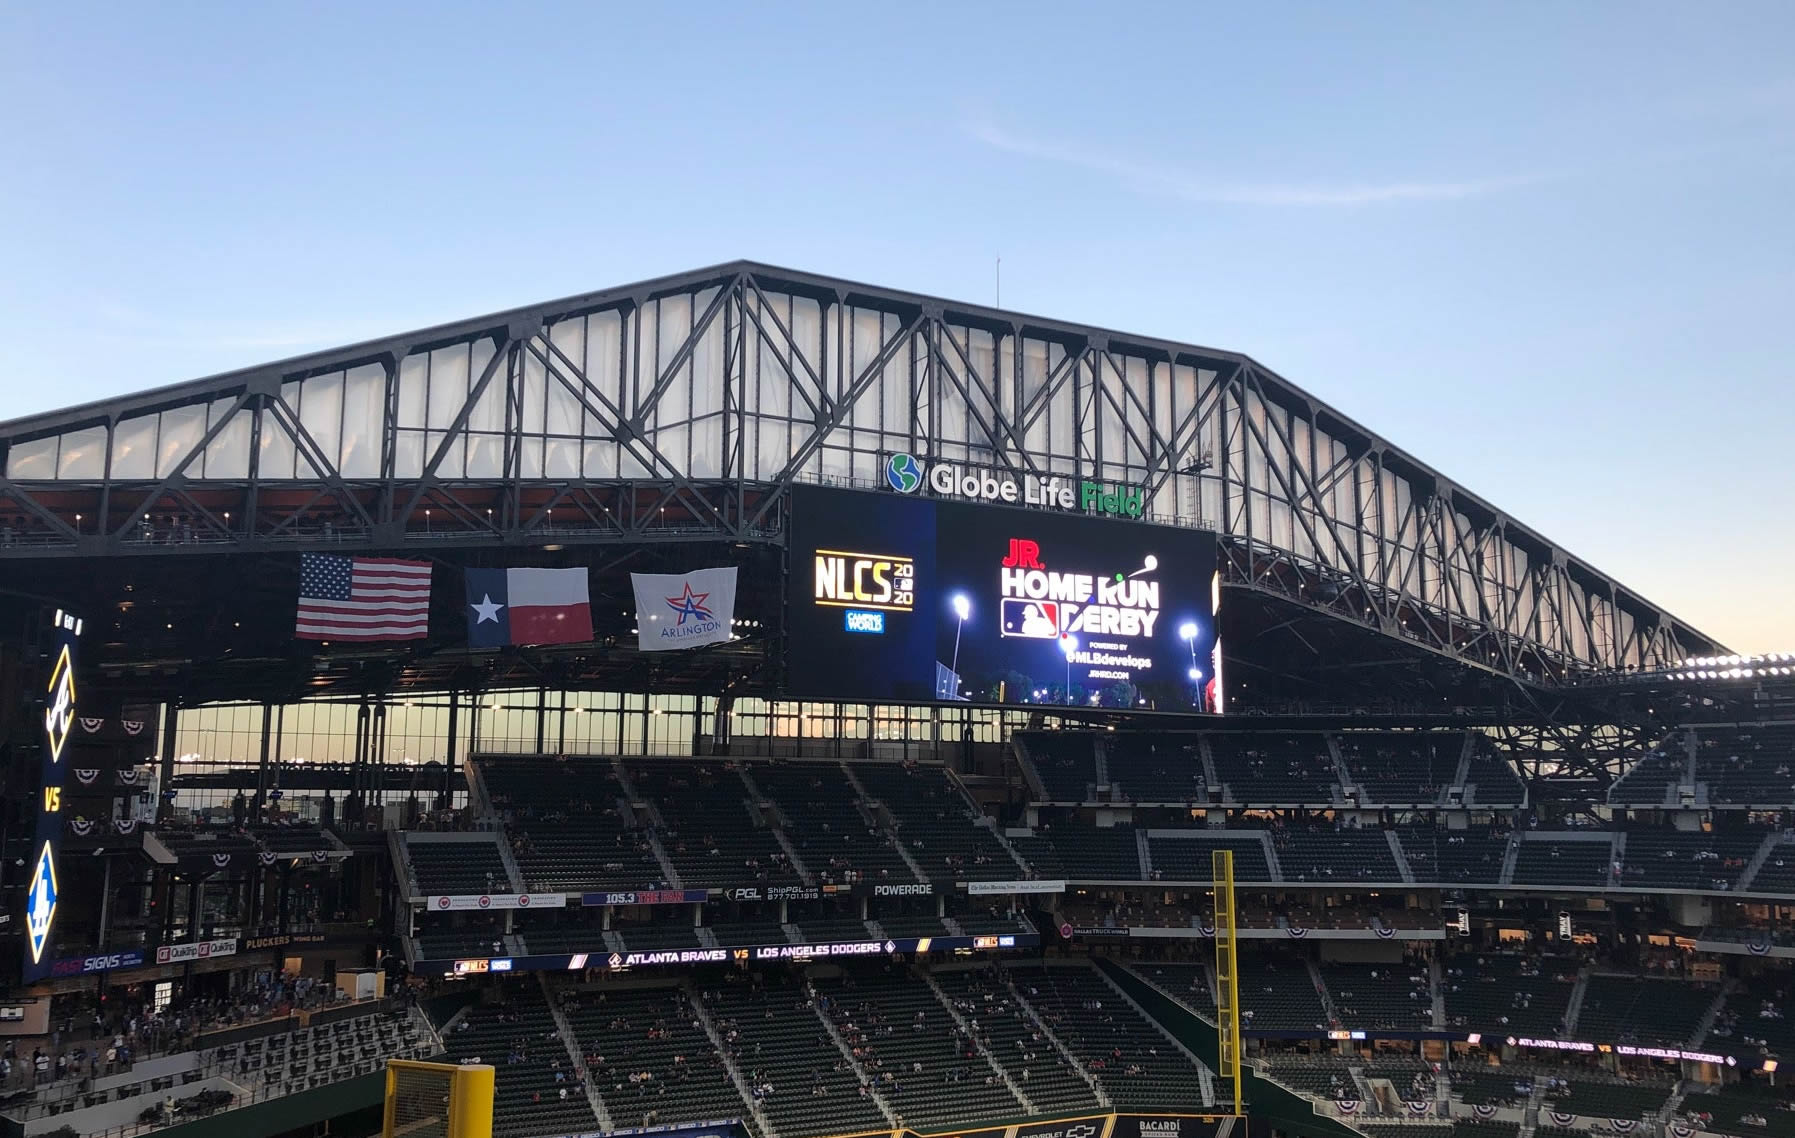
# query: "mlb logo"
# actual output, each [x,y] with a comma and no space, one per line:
[1032,620]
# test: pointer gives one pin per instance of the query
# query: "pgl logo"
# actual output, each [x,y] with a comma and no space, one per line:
[903,473]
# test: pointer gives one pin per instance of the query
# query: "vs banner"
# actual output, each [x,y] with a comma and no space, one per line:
[527,606]
[683,610]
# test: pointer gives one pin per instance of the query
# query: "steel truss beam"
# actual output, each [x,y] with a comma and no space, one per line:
[696,400]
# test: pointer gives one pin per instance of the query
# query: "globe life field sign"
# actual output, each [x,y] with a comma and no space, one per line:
[907,474]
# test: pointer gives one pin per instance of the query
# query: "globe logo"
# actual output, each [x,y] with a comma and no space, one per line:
[903,472]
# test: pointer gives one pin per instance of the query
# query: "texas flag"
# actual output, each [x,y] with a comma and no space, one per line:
[527,606]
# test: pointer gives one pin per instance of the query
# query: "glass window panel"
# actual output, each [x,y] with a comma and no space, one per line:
[364,414]
[448,384]
[485,455]
[408,454]
[414,388]
[561,458]
[278,452]
[533,395]
[181,431]
[321,412]
[489,412]
[134,448]
[82,454]
[227,455]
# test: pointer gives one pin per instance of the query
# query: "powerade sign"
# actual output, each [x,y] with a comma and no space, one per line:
[907,474]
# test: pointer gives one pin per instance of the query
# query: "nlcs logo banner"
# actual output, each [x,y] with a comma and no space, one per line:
[683,610]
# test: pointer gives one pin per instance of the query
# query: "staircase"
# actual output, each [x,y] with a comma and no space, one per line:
[1271,856]
[764,809]
[1100,769]
[1509,857]
[1203,752]
[1462,773]
[1438,990]
[1346,779]
[978,1041]
[1765,848]
[1327,997]
[513,872]
[721,1047]
[1402,860]
[1204,1074]
[571,1044]
[1706,1023]
[1146,855]
[1037,790]
[847,1053]
[654,814]
[1574,1007]
[866,802]
[1047,1033]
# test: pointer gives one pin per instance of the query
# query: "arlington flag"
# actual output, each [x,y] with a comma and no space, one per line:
[683,610]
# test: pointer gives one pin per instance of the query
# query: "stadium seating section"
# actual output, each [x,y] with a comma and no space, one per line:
[1408,768]
[1332,856]
[1065,763]
[1634,1009]
[1271,770]
[1649,781]
[1671,859]
[624,1035]
[1746,766]
[1509,994]
[571,825]
[938,826]
[518,1037]
[1279,995]
[1454,856]
[1380,997]
[1013,1038]
[708,831]
[906,1044]
[458,867]
[1583,864]
[1145,769]
[1188,856]
[1136,1063]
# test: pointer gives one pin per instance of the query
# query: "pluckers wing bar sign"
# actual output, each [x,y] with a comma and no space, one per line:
[60,700]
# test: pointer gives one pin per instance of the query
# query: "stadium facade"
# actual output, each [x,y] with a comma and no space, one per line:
[683,407]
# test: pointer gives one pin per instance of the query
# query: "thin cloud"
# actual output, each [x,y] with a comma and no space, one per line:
[1169,181]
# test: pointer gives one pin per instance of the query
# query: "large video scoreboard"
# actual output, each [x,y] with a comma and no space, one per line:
[908,598]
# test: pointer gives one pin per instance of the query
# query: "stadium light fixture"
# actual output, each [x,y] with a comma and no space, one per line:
[962,609]
[1188,630]
[1069,646]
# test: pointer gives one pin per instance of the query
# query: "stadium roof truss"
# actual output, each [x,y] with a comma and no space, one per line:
[678,410]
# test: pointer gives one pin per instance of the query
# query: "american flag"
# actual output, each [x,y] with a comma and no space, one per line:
[362,598]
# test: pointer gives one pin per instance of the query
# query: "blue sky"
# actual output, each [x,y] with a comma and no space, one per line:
[1545,247]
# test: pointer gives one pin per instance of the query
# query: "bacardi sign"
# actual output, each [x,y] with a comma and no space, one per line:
[907,474]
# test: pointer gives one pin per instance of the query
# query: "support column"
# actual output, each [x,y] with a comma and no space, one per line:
[170,720]
[261,799]
[105,902]
[541,713]
[450,763]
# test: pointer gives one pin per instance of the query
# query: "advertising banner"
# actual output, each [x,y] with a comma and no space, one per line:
[980,888]
[646,897]
[105,962]
[197,950]
[902,596]
[450,904]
